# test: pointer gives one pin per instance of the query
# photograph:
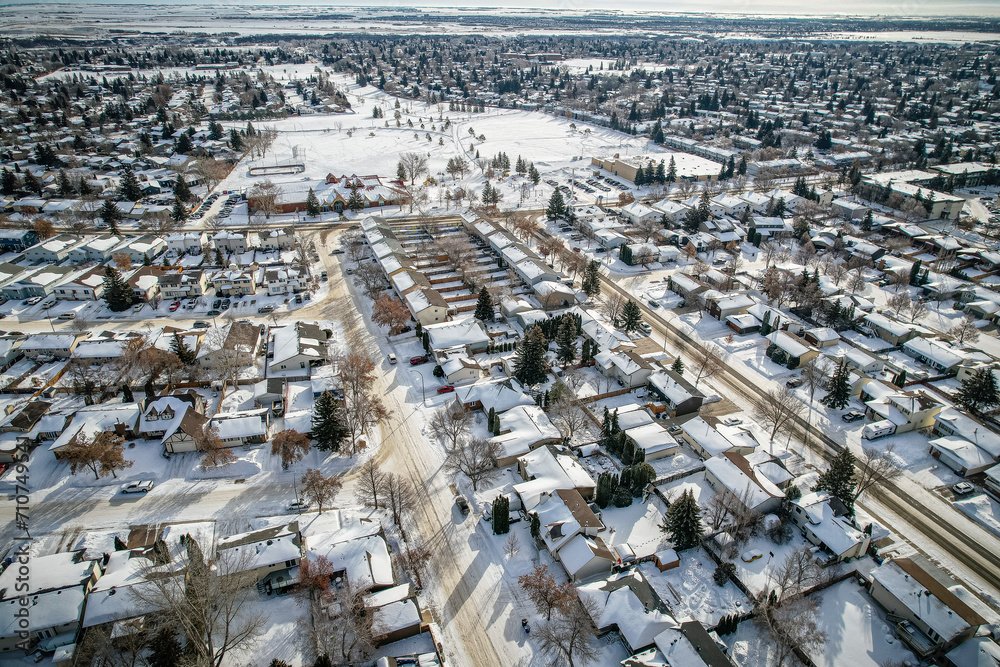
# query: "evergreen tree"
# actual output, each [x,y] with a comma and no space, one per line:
[183,352]
[866,222]
[677,366]
[127,396]
[592,278]
[117,293]
[839,480]
[484,306]
[181,189]
[111,215]
[328,426]
[839,389]
[587,353]
[557,206]
[128,186]
[65,186]
[683,522]
[900,380]
[164,649]
[534,525]
[978,393]
[529,363]
[219,261]
[355,202]
[501,515]
[672,170]
[400,171]
[323,661]
[631,316]
[533,174]
[183,144]
[8,182]
[915,273]
[31,183]
[178,213]
[566,340]
[235,141]
[312,204]
[607,484]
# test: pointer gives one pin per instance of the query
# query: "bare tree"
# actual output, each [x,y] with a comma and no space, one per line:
[450,423]
[544,592]
[647,228]
[857,282]
[898,279]
[372,279]
[215,454]
[399,498]
[211,171]
[567,414]
[476,459]
[414,164]
[815,379]
[898,302]
[965,330]
[338,625]
[103,455]
[917,310]
[354,242]
[362,407]
[319,489]
[390,312]
[777,408]
[792,625]
[614,303]
[569,638]
[371,485]
[875,468]
[799,572]
[213,602]
[511,546]
[706,362]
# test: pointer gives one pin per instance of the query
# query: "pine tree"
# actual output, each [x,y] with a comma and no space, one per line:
[117,293]
[501,515]
[592,279]
[111,215]
[683,522]
[128,186]
[915,273]
[566,340]
[127,396]
[328,427]
[677,366]
[235,141]
[400,171]
[181,189]
[533,174]
[840,389]
[165,650]
[586,354]
[355,202]
[484,306]
[978,392]
[557,206]
[672,170]
[178,213]
[607,484]
[8,182]
[529,363]
[631,316]
[839,481]
[866,222]
[900,379]
[65,186]
[312,204]
[183,352]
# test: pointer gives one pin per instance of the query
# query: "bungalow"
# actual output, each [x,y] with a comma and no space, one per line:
[553,294]
[847,209]
[461,368]
[523,429]
[652,440]
[681,397]
[426,305]
[826,528]
[58,345]
[689,645]
[395,614]
[627,603]
[795,350]
[821,337]
[637,212]
[961,455]
[627,367]
[743,324]
[721,306]
[547,470]
[862,361]
[703,439]
[467,333]
[499,395]
[242,428]
[87,422]
[934,353]
[730,473]
[952,422]
[891,331]
[674,211]
[928,615]
[686,286]
[270,555]
[300,346]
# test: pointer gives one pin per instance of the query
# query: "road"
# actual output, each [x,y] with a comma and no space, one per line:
[954,533]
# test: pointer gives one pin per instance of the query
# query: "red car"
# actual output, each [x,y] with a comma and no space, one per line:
[447,389]
[420,359]
[174,306]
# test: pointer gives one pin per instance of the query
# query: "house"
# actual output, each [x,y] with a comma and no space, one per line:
[145,282]
[17,240]
[686,286]
[934,353]
[395,614]
[547,470]
[553,294]
[242,343]
[147,247]
[904,410]
[230,242]
[706,441]
[814,514]
[270,555]
[231,282]
[929,617]
[100,249]
[960,455]
[163,415]
[862,361]
[468,334]
[730,473]
[563,515]
[499,395]
[118,595]
[53,250]
[721,306]
[821,337]
[357,552]
[283,281]
[953,422]
[300,346]
[975,652]
[52,591]
[637,213]
[628,604]
[87,422]
[39,281]
[426,305]
[625,366]
[681,397]
[847,209]
[183,284]
[88,286]
[461,368]
[191,243]
[689,645]
[58,345]
[532,271]
[246,427]
[796,351]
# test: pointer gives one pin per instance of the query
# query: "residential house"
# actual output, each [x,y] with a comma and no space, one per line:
[53,250]
[628,604]
[242,428]
[625,366]
[468,334]
[230,242]
[499,394]
[523,429]
[190,243]
[825,527]
[903,410]
[231,282]
[426,305]
[119,418]
[88,286]
[731,473]
[17,240]
[549,469]
[183,284]
[652,440]
[145,283]
[270,555]
[300,346]
[721,306]
[960,455]
[936,354]
[146,247]
[797,351]
[680,396]
[928,616]
[56,345]
[100,249]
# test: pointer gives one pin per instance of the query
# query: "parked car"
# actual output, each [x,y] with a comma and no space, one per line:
[852,416]
[391,358]
[174,306]
[795,382]
[202,324]
[32,301]
[645,328]
[214,313]
[298,506]
[137,487]
[216,304]
[447,389]
[64,316]
[462,504]
[419,359]
[137,307]
[962,488]
[732,421]
[263,310]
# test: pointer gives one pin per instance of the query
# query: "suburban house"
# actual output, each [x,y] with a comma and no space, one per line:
[231,282]
[57,345]
[191,243]
[721,306]
[230,242]
[960,455]
[499,395]
[627,603]
[797,352]
[891,331]
[928,616]
[183,284]
[732,474]
[652,440]
[426,305]
[242,428]
[547,470]
[523,428]
[680,396]
[825,527]
[904,411]
[625,366]
[395,614]
[272,555]
[934,353]
[468,334]
[89,421]
[300,346]
[88,286]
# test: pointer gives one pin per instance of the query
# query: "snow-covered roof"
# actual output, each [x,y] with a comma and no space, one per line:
[468,331]
[365,558]
[971,457]
[754,490]
[395,616]
[789,343]
[45,573]
[45,610]
[934,351]
[651,439]
[527,426]
[617,602]
[549,469]
[957,423]
[501,395]
[706,437]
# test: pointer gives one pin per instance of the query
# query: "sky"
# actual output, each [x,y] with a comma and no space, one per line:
[891,8]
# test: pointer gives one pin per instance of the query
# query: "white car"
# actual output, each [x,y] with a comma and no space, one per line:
[732,421]
[298,506]
[137,487]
